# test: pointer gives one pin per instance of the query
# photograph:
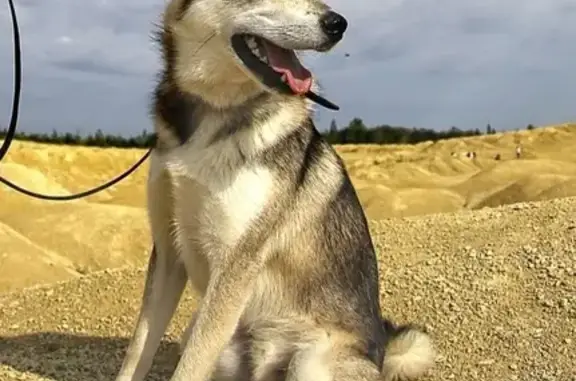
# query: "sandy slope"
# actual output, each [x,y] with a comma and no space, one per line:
[47,241]
[425,178]
[495,287]
[110,228]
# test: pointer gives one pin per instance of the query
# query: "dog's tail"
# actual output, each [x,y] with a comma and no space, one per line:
[408,354]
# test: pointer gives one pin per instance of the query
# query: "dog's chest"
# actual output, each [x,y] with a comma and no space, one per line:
[217,199]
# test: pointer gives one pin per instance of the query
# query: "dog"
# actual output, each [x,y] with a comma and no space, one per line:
[249,203]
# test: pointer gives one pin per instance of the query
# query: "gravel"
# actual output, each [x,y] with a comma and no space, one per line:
[495,287]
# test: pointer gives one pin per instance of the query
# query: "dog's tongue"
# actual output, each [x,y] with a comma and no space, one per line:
[285,62]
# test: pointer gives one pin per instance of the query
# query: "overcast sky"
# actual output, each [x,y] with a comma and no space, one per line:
[90,64]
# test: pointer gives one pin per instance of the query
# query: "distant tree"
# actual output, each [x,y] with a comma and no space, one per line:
[69,138]
[377,135]
[530,127]
[356,131]
[455,132]
[333,126]
[332,135]
[488,129]
[100,139]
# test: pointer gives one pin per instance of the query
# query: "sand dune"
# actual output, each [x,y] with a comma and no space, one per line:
[25,262]
[110,229]
[88,236]
[427,178]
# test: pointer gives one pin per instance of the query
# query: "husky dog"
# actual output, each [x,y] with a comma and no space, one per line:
[249,203]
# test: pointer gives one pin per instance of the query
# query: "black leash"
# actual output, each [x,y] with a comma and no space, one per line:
[17,83]
[14,121]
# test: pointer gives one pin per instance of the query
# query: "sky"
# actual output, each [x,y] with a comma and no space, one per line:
[91,64]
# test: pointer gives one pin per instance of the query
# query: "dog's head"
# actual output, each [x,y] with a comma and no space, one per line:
[244,46]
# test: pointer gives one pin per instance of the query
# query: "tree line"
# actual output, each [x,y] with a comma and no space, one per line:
[98,139]
[356,132]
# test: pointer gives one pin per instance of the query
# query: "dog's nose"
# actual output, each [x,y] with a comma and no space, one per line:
[334,25]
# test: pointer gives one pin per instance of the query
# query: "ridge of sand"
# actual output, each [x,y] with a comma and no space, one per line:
[31,178]
[33,262]
[86,236]
[496,288]
[77,168]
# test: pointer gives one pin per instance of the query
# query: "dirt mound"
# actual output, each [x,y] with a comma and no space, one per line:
[514,181]
[32,262]
[80,168]
[529,188]
[42,239]
[89,236]
[413,201]
[109,229]
[564,189]
[439,175]
[29,178]
[495,288]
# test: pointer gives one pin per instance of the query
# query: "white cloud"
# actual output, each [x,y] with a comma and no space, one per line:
[64,40]
[91,65]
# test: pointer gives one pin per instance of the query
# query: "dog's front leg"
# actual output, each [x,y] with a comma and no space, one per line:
[164,284]
[229,289]
[165,281]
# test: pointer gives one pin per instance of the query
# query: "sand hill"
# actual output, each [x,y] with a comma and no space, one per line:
[110,228]
[496,286]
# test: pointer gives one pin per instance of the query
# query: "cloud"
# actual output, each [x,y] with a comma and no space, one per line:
[90,65]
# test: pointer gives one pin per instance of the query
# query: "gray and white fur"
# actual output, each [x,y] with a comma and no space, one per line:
[249,203]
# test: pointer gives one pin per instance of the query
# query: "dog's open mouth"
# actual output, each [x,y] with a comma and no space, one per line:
[276,67]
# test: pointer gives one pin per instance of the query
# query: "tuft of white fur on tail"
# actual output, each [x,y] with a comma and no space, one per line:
[408,356]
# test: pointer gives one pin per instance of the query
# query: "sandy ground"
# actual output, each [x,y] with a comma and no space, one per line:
[495,286]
